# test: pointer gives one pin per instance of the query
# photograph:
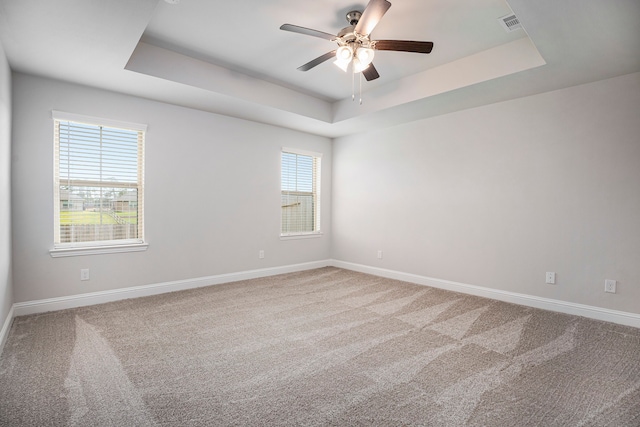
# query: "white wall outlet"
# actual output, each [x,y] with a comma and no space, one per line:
[551,278]
[261,254]
[379,254]
[610,286]
[84,274]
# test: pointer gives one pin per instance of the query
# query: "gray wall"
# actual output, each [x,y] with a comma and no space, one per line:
[496,196]
[493,196]
[6,295]
[212,196]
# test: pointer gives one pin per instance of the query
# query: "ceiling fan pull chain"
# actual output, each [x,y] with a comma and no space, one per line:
[360,88]
[353,84]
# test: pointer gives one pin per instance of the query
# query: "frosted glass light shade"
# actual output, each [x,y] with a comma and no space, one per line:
[359,66]
[365,55]
[344,53]
[343,65]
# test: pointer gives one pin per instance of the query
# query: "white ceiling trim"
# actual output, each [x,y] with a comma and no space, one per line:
[512,57]
[168,65]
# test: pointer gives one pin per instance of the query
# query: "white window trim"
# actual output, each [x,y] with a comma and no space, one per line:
[90,120]
[98,247]
[301,152]
[97,250]
[305,234]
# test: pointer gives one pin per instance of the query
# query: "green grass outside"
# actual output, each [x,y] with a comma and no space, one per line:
[88,217]
[131,216]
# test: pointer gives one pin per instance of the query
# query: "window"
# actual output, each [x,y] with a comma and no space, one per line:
[98,183]
[300,192]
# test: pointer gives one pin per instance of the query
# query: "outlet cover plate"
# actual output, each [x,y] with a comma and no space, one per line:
[551,278]
[610,286]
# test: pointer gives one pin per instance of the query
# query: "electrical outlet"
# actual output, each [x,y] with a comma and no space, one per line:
[610,286]
[379,254]
[261,254]
[84,274]
[551,278]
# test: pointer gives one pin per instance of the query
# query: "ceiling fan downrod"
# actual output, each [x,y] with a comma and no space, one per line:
[353,17]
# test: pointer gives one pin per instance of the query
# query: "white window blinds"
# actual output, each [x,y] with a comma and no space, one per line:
[300,192]
[99,181]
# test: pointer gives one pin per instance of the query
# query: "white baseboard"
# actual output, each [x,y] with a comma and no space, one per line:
[73,301]
[6,326]
[614,316]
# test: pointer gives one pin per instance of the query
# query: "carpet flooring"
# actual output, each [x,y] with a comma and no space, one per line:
[326,347]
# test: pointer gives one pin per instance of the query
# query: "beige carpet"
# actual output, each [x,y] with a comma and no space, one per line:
[323,347]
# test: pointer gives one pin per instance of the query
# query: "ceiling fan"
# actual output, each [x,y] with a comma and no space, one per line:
[355,46]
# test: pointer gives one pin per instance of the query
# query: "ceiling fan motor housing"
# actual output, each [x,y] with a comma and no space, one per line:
[348,37]
[347,34]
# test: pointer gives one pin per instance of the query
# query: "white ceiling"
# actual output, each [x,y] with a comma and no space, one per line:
[245,36]
[231,58]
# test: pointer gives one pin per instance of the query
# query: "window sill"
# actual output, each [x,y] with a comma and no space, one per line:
[97,250]
[300,236]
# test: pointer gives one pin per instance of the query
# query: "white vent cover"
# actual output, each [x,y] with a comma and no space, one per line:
[510,22]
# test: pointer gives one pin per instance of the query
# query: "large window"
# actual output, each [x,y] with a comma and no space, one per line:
[300,192]
[98,182]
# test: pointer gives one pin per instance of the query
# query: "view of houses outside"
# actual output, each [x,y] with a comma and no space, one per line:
[96,213]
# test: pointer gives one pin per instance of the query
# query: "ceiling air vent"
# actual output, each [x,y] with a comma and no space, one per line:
[510,22]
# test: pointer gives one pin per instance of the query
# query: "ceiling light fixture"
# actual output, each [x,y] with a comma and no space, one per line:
[363,59]
[355,46]
[360,57]
[357,38]
[365,55]
[344,55]
[359,66]
[357,54]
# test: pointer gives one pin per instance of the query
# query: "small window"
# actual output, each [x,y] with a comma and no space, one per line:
[98,182]
[300,192]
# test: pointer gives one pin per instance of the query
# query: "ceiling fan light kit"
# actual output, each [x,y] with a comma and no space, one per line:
[365,55]
[343,65]
[355,46]
[344,53]
[359,66]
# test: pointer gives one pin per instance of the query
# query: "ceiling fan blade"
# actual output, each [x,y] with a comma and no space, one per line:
[319,60]
[308,32]
[404,46]
[371,15]
[370,73]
